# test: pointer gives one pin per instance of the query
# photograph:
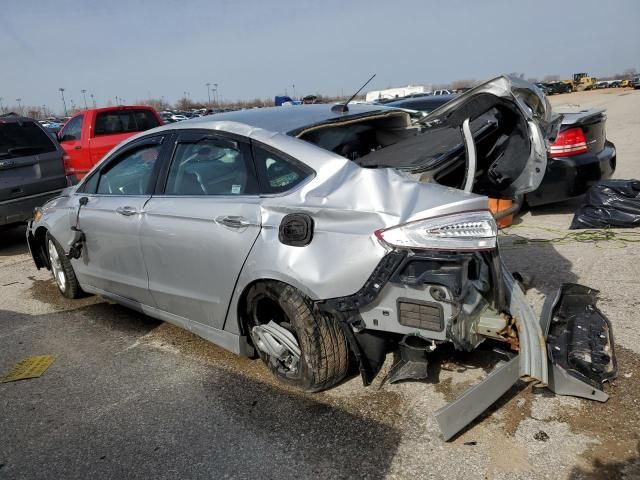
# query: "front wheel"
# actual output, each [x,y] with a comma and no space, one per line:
[62,270]
[301,346]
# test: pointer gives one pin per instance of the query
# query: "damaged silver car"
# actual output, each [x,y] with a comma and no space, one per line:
[319,235]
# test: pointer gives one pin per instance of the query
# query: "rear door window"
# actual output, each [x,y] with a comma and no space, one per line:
[211,166]
[20,139]
[125,121]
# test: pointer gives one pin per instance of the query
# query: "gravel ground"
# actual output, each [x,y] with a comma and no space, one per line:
[129,396]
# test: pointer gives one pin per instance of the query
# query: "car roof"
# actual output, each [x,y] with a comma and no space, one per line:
[285,119]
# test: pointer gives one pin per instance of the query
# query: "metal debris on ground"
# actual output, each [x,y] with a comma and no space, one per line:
[30,367]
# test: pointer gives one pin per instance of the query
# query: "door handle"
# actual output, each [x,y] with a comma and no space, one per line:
[126,211]
[77,147]
[233,221]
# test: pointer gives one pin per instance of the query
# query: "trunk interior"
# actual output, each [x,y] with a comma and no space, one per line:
[434,149]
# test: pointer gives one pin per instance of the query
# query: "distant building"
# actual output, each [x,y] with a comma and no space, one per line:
[395,92]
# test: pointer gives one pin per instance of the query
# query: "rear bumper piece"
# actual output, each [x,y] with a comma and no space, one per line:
[570,350]
[579,342]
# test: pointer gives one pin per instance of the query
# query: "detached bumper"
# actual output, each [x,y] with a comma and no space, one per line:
[568,177]
[573,354]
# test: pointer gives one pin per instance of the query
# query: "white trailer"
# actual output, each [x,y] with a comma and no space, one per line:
[395,92]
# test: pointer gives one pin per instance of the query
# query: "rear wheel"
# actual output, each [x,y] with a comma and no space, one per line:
[61,269]
[301,346]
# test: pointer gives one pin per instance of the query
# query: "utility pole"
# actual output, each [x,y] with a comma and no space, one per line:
[208,91]
[84,95]
[63,102]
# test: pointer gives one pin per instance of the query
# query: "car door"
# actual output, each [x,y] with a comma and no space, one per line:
[198,230]
[71,141]
[111,220]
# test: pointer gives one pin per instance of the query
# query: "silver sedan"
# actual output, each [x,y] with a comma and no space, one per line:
[316,235]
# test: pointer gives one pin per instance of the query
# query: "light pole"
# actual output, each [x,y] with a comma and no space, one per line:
[19,106]
[73,106]
[208,91]
[84,95]
[44,111]
[63,102]
[93,100]
[294,90]
[1,107]
[216,98]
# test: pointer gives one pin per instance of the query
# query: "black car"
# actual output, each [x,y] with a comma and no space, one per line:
[580,157]
[557,87]
[31,168]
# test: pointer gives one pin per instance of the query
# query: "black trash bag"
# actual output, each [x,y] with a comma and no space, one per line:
[611,203]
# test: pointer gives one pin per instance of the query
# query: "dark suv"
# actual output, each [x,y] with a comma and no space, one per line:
[31,168]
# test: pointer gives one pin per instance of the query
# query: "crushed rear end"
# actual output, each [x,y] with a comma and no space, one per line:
[442,279]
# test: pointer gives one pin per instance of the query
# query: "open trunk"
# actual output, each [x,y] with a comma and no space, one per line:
[491,140]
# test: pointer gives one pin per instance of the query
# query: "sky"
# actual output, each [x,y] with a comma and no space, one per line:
[138,49]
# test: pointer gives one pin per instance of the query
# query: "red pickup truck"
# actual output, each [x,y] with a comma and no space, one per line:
[90,134]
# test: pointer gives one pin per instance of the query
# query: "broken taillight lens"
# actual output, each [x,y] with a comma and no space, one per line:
[569,142]
[476,230]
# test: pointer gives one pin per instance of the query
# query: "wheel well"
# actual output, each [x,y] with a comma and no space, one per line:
[243,307]
[40,251]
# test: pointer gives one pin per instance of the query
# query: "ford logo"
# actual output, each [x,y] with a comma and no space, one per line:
[7,164]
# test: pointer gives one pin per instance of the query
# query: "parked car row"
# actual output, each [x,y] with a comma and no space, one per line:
[169,116]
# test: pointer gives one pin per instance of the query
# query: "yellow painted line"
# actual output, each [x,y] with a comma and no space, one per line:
[30,367]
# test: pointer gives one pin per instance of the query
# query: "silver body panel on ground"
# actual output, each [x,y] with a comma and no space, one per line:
[457,414]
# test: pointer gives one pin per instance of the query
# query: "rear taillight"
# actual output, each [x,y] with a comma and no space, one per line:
[476,230]
[68,169]
[569,142]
